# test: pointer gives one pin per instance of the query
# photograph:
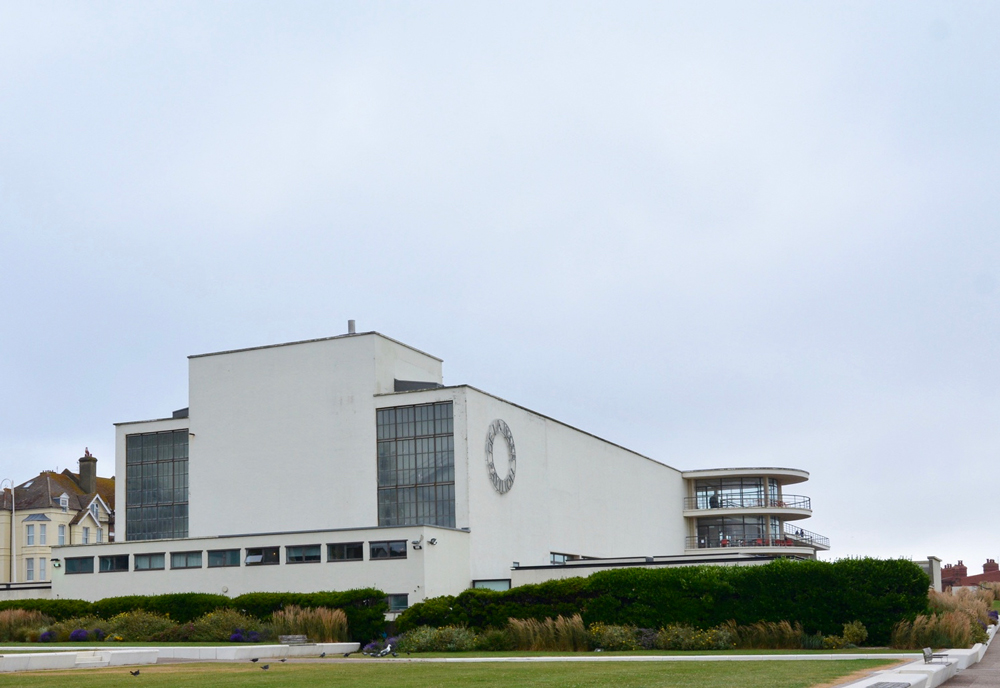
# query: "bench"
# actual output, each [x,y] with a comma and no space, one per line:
[292,639]
[930,656]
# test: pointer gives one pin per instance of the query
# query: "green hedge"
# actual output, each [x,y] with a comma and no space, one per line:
[181,607]
[365,608]
[820,595]
[58,609]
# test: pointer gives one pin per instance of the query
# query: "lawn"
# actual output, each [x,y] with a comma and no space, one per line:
[400,674]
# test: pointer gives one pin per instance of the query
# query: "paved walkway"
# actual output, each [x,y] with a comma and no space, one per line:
[985,673]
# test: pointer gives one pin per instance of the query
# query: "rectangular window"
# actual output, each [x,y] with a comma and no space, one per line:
[79,565]
[500,584]
[29,569]
[389,549]
[29,535]
[416,465]
[345,551]
[262,556]
[42,536]
[223,557]
[86,535]
[398,603]
[42,573]
[62,536]
[302,554]
[100,535]
[149,562]
[114,562]
[185,560]
[156,485]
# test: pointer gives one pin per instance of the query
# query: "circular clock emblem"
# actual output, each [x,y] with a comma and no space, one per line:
[498,427]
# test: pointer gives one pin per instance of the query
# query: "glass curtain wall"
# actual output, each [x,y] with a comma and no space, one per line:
[739,531]
[416,465]
[728,493]
[156,484]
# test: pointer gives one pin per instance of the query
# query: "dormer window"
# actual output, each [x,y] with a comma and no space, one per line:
[93,511]
[64,502]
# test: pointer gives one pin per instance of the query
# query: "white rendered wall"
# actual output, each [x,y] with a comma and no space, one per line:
[283,438]
[573,493]
[428,572]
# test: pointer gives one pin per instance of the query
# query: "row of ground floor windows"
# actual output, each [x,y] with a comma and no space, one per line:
[251,556]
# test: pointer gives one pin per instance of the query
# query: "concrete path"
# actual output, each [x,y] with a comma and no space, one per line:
[985,673]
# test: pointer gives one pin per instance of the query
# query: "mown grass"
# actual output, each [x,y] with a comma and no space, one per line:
[367,674]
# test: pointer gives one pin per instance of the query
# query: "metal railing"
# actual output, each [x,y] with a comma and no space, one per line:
[806,537]
[747,502]
[792,538]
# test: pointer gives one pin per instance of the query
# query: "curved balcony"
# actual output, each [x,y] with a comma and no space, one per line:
[746,502]
[793,537]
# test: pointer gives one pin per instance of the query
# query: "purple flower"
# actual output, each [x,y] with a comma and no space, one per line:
[236,637]
[79,635]
[47,637]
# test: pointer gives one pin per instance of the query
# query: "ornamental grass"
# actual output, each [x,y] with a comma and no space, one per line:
[559,634]
[18,625]
[319,624]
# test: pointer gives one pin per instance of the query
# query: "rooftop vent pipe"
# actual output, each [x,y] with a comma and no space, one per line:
[350,327]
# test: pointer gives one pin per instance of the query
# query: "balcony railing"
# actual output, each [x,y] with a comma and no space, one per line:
[748,502]
[695,542]
[806,538]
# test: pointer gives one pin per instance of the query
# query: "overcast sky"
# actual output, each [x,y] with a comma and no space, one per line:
[720,234]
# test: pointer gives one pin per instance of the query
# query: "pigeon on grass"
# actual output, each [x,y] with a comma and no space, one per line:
[134,673]
[266,667]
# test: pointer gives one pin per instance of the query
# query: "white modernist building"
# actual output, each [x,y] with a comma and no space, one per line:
[345,462]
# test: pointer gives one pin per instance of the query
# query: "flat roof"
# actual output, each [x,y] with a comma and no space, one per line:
[320,339]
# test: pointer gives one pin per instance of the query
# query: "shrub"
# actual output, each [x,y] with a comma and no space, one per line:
[319,624]
[684,637]
[561,633]
[494,640]
[181,607]
[611,637]
[445,639]
[61,630]
[138,625]
[16,624]
[79,635]
[821,596]
[365,608]
[220,625]
[46,637]
[58,609]
[855,633]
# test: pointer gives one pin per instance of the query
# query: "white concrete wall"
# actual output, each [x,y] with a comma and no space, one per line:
[283,438]
[573,493]
[433,570]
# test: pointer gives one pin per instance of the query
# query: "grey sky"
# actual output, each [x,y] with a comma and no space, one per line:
[718,234]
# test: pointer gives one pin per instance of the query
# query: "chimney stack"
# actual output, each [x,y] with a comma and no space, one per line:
[350,327]
[990,566]
[960,570]
[88,472]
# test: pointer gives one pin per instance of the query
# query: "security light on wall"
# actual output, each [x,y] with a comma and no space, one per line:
[432,541]
[417,544]
[56,563]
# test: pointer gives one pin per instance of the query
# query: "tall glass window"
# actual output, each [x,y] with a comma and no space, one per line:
[416,465]
[156,484]
[739,531]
